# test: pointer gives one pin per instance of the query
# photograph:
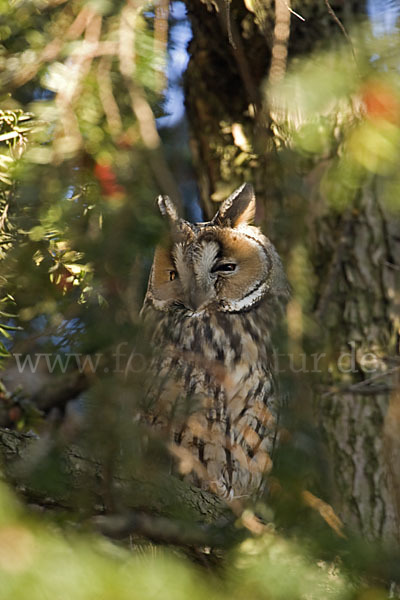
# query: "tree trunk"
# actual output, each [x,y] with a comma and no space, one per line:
[354,256]
[358,308]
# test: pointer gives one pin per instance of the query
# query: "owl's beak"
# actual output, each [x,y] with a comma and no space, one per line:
[199,297]
[196,299]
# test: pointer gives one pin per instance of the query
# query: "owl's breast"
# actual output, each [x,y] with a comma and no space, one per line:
[214,392]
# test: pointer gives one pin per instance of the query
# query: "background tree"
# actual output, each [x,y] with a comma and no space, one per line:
[322,153]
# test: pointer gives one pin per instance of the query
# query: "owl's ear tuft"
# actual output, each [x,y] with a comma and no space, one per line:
[238,209]
[168,209]
[178,227]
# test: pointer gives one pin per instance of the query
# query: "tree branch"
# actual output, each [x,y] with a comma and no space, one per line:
[166,510]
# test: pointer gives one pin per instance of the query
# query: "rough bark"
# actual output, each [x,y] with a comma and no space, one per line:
[358,307]
[355,256]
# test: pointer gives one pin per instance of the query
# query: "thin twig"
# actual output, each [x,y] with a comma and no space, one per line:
[342,28]
[239,54]
[294,12]
[52,50]
[140,106]
[227,4]
[161,35]
[281,41]
[107,98]
[163,530]
[355,387]
[360,387]
[80,61]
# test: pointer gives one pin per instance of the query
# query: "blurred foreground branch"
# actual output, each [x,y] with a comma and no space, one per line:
[167,511]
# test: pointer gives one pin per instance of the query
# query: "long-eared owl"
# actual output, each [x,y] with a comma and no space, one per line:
[215,292]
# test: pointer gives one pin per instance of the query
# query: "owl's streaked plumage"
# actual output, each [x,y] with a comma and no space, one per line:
[215,291]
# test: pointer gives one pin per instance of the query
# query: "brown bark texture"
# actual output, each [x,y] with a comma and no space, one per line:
[354,255]
[357,305]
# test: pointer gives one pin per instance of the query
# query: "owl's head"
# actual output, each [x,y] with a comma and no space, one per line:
[225,264]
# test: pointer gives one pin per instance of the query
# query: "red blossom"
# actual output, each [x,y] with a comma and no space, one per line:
[107,179]
[381,102]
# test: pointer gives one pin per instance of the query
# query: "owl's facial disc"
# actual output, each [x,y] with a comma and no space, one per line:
[220,269]
[225,264]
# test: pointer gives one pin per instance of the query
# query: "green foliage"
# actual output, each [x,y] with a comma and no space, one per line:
[344,108]
[74,168]
[37,559]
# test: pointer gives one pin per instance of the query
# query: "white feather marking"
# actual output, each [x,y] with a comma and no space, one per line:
[247,301]
[208,256]
[181,265]
[198,313]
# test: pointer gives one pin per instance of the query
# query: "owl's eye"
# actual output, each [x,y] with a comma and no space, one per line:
[224,267]
[173,275]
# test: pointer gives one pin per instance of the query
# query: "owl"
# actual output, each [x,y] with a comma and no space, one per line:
[215,292]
